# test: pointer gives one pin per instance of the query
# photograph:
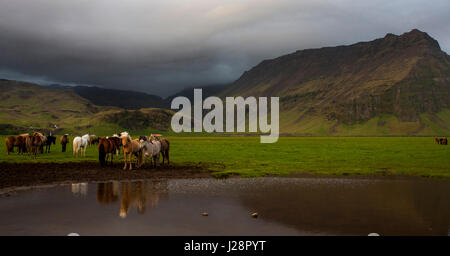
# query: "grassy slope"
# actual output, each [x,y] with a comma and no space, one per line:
[30,105]
[324,155]
[383,125]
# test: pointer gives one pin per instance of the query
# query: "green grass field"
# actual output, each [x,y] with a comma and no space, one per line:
[317,155]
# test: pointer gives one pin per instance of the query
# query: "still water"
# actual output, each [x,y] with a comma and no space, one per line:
[285,206]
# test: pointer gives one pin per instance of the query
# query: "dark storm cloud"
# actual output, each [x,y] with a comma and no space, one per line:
[162,46]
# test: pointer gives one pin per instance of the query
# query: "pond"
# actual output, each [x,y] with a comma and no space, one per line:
[285,206]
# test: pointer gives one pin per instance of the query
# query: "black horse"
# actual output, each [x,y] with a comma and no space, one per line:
[50,139]
[143,138]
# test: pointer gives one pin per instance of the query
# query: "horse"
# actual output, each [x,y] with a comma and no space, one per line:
[37,142]
[117,141]
[19,142]
[64,140]
[80,143]
[165,147]
[151,149]
[10,142]
[142,138]
[93,140]
[444,141]
[437,140]
[105,147]
[50,139]
[24,143]
[131,147]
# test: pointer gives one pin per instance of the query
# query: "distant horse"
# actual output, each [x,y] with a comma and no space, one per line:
[64,140]
[80,143]
[437,140]
[50,139]
[142,138]
[151,149]
[9,142]
[444,141]
[165,146]
[93,140]
[37,142]
[106,147]
[24,142]
[19,142]
[41,142]
[131,147]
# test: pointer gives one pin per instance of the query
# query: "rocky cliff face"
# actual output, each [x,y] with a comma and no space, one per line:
[404,76]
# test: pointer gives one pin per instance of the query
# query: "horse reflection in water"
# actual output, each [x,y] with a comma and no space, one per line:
[138,194]
[79,189]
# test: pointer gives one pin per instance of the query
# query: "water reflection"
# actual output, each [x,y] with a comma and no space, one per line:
[80,189]
[286,206]
[136,194]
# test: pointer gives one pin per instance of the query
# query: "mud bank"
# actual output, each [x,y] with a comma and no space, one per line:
[32,174]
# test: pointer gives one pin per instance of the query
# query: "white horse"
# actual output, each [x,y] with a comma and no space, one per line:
[151,149]
[80,143]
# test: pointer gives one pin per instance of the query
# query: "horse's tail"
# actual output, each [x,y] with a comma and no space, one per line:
[101,154]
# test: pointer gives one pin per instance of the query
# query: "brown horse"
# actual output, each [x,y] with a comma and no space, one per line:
[64,140]
[25,142]
[117,142]
[106,147]
[165,147]
[10,142]
[131,147]
[437,140]
[37,142]
[94,140]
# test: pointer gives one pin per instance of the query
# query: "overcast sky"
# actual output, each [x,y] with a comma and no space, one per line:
[162,46]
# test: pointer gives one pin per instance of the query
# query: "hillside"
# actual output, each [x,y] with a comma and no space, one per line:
[396,85]
[119,98]
[26,107]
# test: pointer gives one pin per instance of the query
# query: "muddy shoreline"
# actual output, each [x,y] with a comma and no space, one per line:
[33,174]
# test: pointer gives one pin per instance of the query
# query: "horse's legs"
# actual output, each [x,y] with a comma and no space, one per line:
[167,155]
[131,155]
[125,160]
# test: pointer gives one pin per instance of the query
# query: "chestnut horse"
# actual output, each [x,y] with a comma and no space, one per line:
[64,140]
[106,147]
[10,142]
[130,147]
[24,142]
[37,142]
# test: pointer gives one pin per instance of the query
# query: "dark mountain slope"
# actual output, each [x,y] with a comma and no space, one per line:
[119,98]
[325,91]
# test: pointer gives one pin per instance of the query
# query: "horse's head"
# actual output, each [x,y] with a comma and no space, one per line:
[126,140]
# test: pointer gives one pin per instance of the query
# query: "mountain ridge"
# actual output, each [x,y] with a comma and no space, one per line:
[405,76]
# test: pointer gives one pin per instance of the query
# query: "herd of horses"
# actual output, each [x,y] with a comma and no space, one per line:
[441,141]
[142,148]
[31,144]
